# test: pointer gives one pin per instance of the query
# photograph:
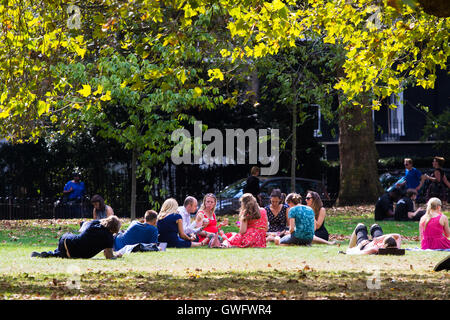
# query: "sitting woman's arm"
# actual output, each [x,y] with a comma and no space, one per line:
[445,226]
[242,226]
[109,211]
[421,225]
[291,225]
[199,219]
[318,223]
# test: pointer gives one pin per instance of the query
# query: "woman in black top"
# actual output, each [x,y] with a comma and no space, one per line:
[439,182]
[277,215]
[321,234]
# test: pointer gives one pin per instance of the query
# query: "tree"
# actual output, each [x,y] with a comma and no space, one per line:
[384,49]
[175,46]
[299,79]
[130,68]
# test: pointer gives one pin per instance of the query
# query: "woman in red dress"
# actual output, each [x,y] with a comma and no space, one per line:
[253,225]
[206,212]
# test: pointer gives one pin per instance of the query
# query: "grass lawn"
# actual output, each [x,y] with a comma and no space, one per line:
[316,272]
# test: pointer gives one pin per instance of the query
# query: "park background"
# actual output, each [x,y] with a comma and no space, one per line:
[100,86]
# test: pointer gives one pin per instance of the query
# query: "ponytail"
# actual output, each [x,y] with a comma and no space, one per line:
[432,205]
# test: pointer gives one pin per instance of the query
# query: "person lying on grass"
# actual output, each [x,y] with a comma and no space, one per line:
[96,235]
[360,243]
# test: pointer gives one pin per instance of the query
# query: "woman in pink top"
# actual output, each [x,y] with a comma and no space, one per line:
[433,227]
[253,225]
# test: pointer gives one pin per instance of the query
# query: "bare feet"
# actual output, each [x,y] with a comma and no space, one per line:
[277,241]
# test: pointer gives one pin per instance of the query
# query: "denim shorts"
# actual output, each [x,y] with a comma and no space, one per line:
[291,239]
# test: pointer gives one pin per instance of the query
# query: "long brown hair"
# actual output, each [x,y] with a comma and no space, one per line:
[100,200]
[249,207]
[316,203]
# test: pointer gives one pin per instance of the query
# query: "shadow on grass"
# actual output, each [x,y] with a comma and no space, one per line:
[228,285]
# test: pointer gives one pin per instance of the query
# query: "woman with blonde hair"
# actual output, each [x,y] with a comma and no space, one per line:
[252,225]
[170,227]
[433,227]
[206,214]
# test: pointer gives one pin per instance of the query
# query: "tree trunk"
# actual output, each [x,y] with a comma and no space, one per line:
[294,146]
[359,182]
[133,184]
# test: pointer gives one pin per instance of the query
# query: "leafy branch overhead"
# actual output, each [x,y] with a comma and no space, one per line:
[57,70]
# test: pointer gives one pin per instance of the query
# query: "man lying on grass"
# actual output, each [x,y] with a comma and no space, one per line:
[360,243]
[96,235]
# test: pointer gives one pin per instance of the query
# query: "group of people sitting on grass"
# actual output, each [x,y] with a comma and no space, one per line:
[285,222]
[405,191]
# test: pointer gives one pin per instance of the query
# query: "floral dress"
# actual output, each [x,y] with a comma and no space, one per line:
[277,223]
[255,236]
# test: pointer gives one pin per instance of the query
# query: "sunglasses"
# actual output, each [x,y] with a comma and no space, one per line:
[308,198]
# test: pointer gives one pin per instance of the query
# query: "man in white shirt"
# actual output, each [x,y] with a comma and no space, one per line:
[190,206]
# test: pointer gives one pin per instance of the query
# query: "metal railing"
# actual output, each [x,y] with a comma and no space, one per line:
[15,208]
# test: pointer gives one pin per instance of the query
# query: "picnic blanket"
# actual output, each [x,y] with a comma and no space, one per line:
[143,247]
[418,249]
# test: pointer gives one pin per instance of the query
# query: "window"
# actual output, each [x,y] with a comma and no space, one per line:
[395,116]
[318,131]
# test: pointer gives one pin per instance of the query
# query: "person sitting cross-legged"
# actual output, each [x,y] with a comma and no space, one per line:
[96,235]
[360,243]
[138,232]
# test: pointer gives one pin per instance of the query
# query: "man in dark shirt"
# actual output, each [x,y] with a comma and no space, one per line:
[252,183]
[96,235]
[404,210]
[384,207]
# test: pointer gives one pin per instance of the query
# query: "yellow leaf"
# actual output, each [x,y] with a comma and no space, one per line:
[4,96]
[99,90]
[182,76]
[107,96]
[43,107]
[4,113]
[80,51]
[215,74]
[76,106]
[197,92]
[86,91]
